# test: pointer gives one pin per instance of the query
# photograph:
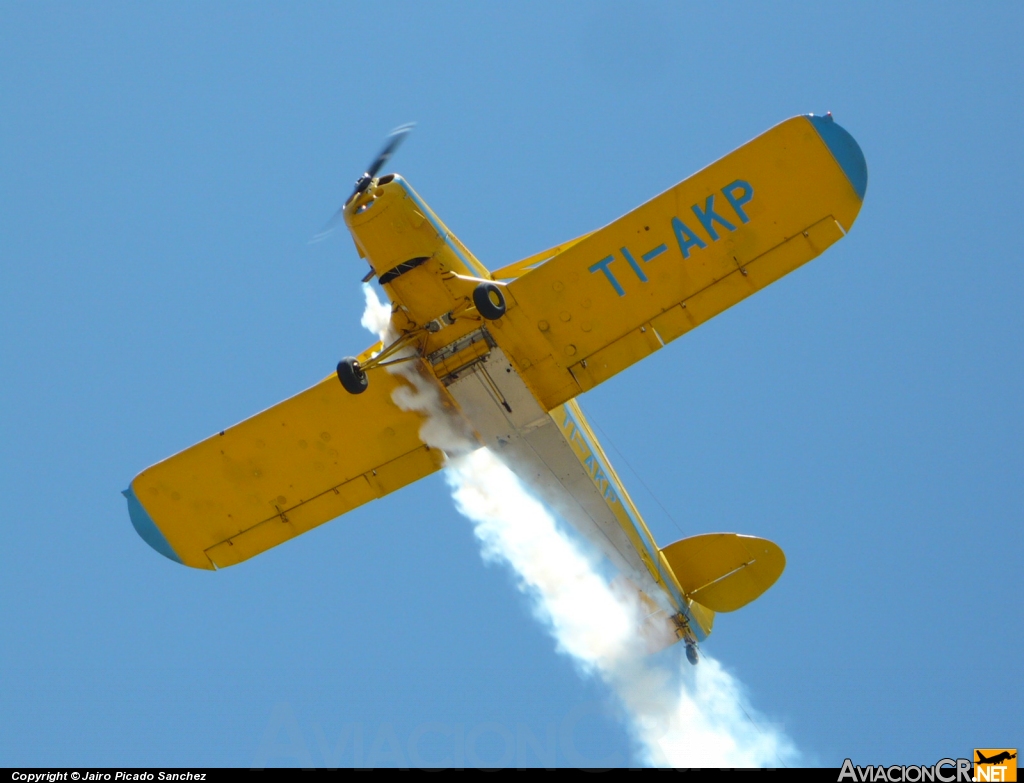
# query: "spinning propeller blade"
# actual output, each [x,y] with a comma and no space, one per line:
[394,140]
[392,143]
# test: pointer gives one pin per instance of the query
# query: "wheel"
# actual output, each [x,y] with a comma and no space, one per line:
[352,376]
[691,654]
[489,301]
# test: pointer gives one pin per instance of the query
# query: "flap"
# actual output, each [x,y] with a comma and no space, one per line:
[288,469]
[724,571]
[622,292]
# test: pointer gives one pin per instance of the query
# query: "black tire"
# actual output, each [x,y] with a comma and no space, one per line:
[489,301]
[691,654]
[352,376]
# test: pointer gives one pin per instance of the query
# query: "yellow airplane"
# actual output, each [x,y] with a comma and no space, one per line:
[509,351]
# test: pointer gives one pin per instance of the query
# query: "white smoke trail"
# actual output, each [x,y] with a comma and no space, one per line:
[680,716]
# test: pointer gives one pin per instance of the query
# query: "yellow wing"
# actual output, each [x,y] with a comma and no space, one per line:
[280,473]
[624,291]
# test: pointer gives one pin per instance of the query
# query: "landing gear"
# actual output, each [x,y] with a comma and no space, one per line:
[691,653]
[490,304]
[352,376]
[489,301]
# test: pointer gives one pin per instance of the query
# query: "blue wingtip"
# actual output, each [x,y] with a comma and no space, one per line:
[146,527]
[845,150]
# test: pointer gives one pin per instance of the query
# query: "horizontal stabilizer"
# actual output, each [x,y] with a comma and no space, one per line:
[724,571]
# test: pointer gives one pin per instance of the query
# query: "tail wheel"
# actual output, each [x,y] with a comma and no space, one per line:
[489,301]
[691,654]
[352,376]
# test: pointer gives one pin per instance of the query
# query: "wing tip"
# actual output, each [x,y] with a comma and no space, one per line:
[147,528]
[844,149]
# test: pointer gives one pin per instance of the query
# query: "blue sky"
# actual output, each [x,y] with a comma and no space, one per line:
[161,170]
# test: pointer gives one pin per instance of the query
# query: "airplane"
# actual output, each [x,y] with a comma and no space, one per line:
[996,759]
[509,351]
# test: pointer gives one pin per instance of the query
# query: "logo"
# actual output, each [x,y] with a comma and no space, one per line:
[942,771]
[995,764]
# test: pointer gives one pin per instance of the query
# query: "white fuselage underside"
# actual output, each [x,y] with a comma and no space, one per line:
[530,443]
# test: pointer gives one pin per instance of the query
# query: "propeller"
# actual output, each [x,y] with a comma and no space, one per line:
[391,143]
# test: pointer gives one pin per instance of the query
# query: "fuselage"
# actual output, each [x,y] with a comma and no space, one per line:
[428,275]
